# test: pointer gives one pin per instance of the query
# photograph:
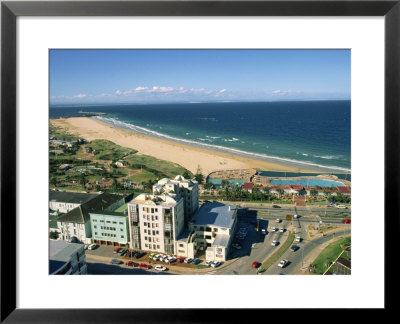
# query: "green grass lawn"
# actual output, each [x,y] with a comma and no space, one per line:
[151,169]
[329,254]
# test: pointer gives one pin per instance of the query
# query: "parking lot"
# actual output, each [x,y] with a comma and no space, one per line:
[102,256]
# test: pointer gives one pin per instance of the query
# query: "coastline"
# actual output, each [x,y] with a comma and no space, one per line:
[188,156]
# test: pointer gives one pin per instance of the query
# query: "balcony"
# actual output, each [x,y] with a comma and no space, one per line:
[167,227]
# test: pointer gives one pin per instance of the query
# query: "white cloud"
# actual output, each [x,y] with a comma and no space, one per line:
[81,95]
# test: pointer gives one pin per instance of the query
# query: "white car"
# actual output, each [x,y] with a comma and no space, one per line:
[274,229]
[160,268]
[281,230]
[208,263]
[274,243]
[296,216]
[263,231]
[188,260]
[92,246]
[278,220]
[283,263]
[298,239]
[216,264]
[171,259]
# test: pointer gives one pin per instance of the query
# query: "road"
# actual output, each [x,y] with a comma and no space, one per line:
[296,258]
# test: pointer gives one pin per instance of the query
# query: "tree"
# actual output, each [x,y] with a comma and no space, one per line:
[313,192]
[53,181]
[199,177]
[208,186]
[114,185]
[82,180]
[187,175]
[224,183]
[53,235]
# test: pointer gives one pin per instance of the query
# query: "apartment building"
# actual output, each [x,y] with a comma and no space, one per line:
[155,222]
[67,258]
[110,228]
[185,188]
[211,230]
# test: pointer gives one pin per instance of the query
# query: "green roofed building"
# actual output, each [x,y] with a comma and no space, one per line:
[75,225]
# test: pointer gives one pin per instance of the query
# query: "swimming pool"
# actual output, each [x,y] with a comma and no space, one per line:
[217,181]
[307,182]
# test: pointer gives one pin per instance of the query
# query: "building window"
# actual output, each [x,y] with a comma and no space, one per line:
[122,236]
[95,226]
[121,223]
[114,222]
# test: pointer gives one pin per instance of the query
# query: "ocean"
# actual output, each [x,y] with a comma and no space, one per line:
[312,134]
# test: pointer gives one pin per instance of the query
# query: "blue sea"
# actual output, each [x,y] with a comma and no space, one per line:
[312,134]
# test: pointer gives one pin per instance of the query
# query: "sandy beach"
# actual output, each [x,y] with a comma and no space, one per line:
[187,156]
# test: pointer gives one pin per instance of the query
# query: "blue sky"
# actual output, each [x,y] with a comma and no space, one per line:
[147,76]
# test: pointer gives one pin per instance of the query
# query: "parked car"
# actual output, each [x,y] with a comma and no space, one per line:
[160,268]
[274,229]
[188,260]
[274,243]
[298,239]
[144,266]
[116,261]
[236,246]
[138,255]
[216,264]
[255,264]
[281,230]
[263,231]
[92,246]
[171,259]
[180,259]
[117,249]
[208,263]
[132,264]
[122,252]
[283,263]
[296,216]
[196,261]
[278,220]
[294,248]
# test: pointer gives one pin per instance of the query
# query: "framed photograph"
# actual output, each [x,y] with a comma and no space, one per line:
[214,148]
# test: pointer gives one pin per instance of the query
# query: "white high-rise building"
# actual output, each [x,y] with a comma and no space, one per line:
[155,222]
[185,188]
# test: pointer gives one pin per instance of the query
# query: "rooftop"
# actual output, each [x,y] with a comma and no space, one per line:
[99,204]
[221,240]
[344,190]
[165,200]
[62,250]
[71,197]
[248,185]
[215,213]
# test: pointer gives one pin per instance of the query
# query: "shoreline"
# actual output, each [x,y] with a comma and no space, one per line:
[186,155]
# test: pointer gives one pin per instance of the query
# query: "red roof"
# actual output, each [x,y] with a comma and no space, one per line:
[344,190]
[297,187]
[248,185]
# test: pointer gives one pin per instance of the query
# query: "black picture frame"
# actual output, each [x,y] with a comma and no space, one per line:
[10,10]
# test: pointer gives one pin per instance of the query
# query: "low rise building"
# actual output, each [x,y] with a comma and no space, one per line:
[211,229]
[110,228]
[64,201]
[67,258]
[76,222]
